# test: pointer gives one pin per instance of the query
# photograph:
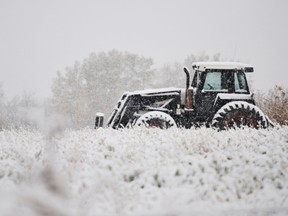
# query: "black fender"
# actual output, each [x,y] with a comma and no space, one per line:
[223,98]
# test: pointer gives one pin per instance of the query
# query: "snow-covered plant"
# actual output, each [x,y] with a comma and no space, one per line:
[275,104]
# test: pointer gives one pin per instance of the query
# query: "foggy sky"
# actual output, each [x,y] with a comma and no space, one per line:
[38,38]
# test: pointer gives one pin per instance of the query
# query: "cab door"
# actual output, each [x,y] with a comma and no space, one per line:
[213,83]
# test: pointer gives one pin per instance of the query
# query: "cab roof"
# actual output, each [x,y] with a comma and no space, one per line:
[202,66]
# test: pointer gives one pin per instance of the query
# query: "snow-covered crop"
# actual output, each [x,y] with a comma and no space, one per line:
[144,172]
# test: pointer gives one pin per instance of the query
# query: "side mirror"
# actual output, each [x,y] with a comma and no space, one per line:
[248,69]
[99,120]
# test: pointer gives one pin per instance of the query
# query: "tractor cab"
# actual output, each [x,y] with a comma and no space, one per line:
[215,84]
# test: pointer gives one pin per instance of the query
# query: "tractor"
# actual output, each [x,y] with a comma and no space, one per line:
[217,96]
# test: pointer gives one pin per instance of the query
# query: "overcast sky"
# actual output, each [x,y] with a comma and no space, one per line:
[38,38]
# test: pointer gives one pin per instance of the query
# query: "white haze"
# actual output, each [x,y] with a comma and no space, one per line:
[40,37]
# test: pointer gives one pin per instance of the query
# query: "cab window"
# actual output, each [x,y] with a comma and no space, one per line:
[196,79]
[240,82]
[213,81]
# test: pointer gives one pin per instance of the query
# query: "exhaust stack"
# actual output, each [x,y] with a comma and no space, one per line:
[189,92]
[187,78]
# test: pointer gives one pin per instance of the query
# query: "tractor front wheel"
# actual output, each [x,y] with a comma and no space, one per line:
[156,119]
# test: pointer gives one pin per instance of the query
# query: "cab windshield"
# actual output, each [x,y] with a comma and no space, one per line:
[225,81]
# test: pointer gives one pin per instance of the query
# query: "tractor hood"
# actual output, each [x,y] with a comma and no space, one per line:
[161,91]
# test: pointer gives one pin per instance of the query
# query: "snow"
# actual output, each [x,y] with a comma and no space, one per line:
[233,96]
[156,91]
[144,172]
[99,114]
[202,66]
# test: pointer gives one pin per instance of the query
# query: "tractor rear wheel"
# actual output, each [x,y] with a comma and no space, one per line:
[238,114]
[156,119]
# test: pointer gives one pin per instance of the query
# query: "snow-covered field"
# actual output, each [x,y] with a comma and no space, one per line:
[144,172]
